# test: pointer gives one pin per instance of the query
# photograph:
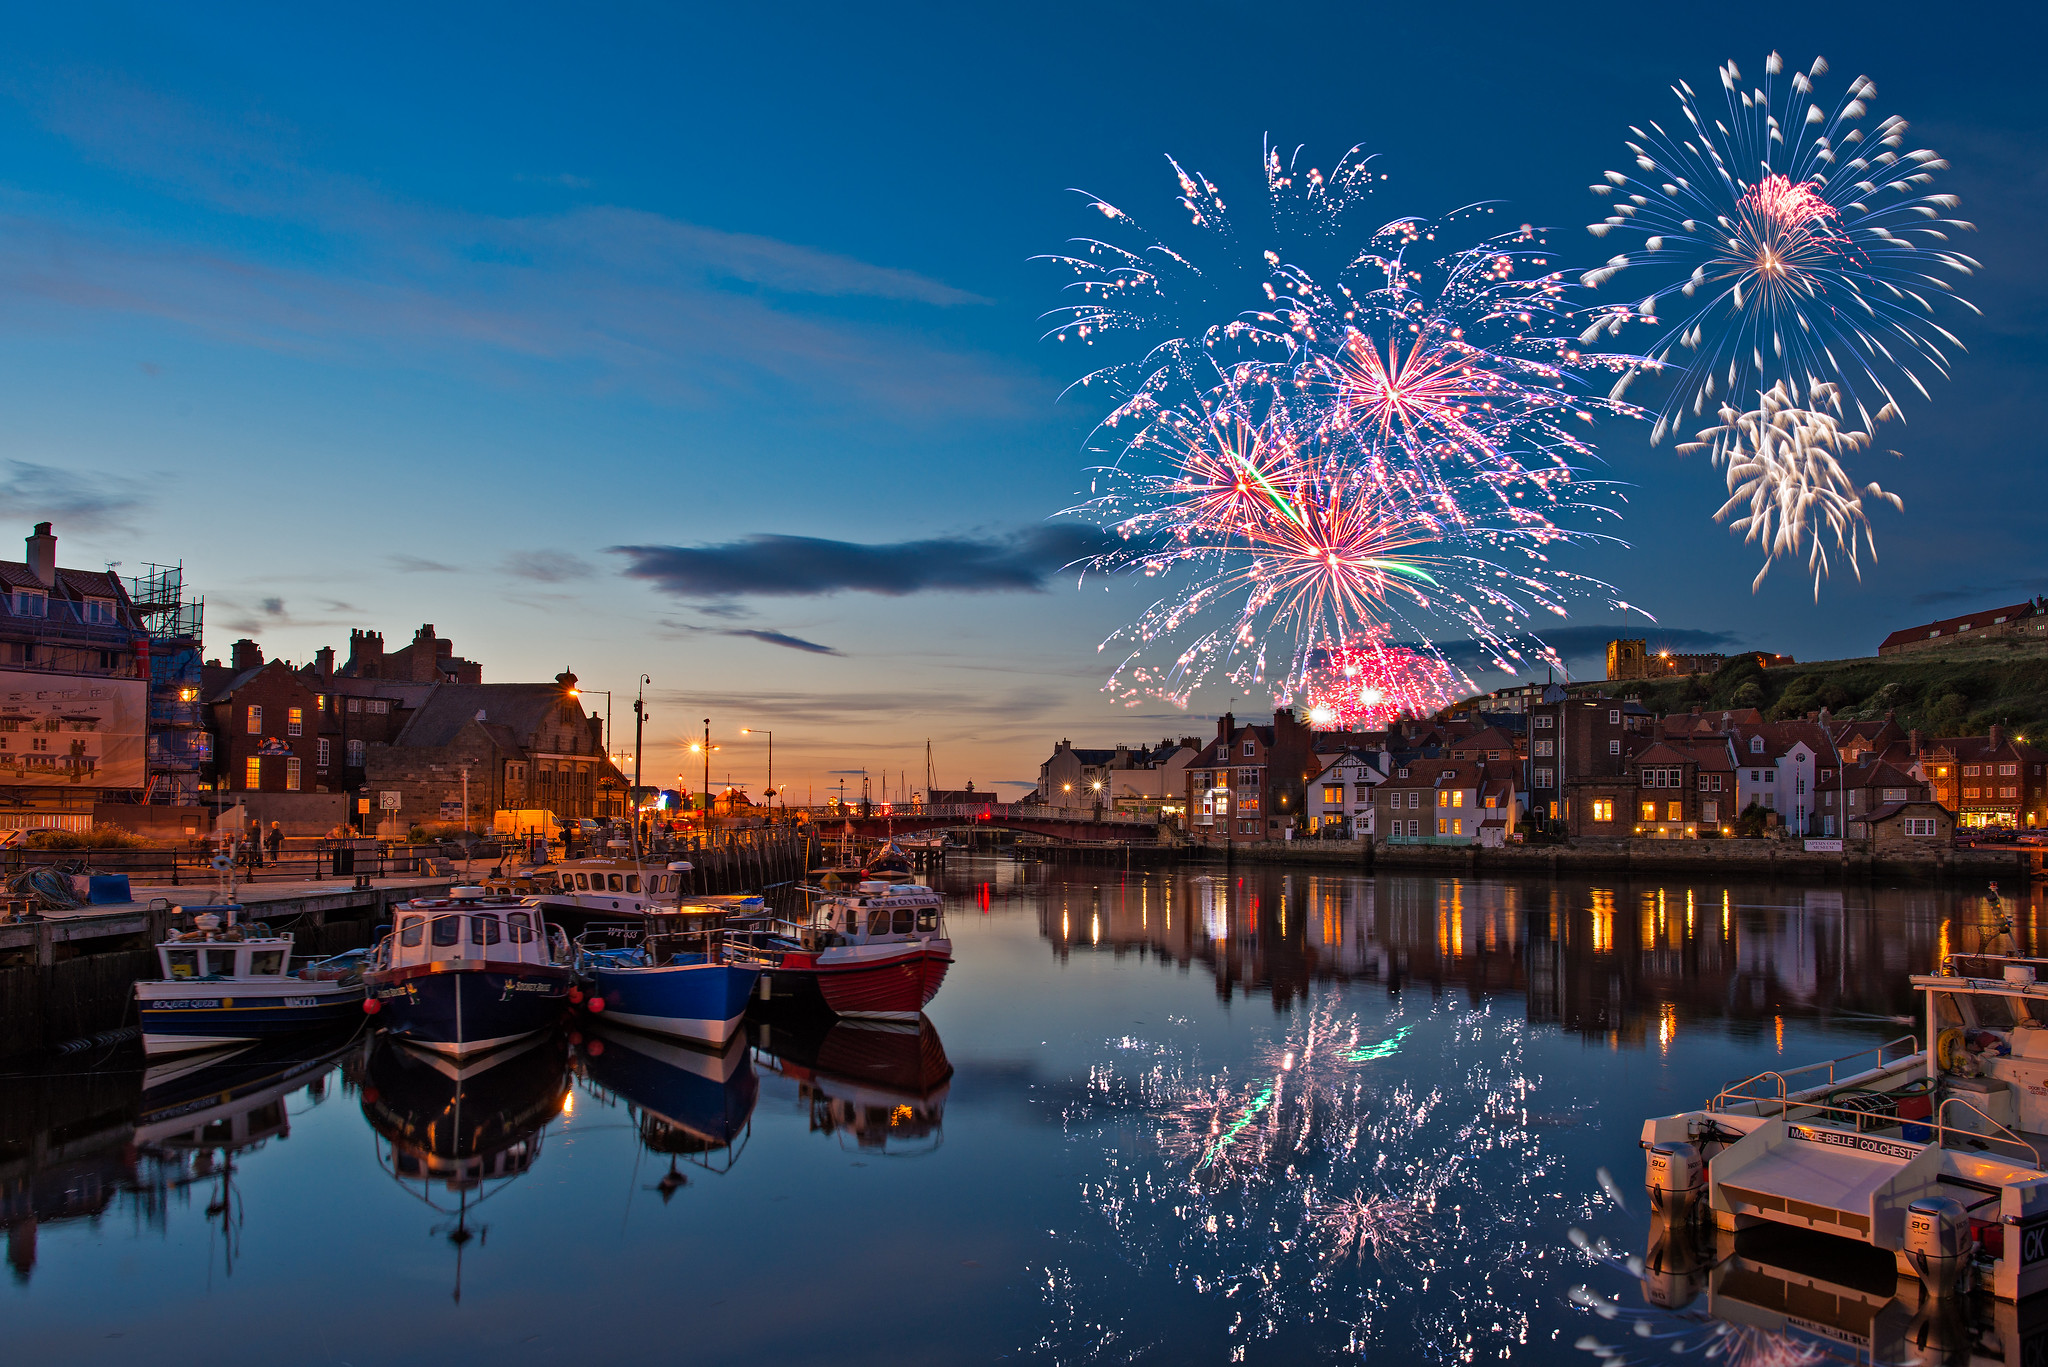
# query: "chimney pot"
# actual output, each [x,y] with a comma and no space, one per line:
[42,555]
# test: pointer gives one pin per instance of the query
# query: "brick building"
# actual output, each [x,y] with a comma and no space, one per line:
[1447,802]
[264,724]
[1250,782]
[1575,740]
[2027,621]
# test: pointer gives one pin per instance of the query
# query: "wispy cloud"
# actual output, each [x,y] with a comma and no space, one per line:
[805,566]
[72,499]
[596,296]
[413,564]
[546,567]
[777,638]
[1985,595]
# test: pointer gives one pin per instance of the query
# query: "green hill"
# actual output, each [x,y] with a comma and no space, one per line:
[1959,690]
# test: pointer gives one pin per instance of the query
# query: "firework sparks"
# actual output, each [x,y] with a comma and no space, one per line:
[1366,434]
[1785,476]
[1363,685]
[1784,240]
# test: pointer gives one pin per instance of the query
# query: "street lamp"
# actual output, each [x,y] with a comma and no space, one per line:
[705,748]
[578,693]
[753,731]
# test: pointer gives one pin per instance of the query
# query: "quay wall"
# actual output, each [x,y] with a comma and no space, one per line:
[1699,858]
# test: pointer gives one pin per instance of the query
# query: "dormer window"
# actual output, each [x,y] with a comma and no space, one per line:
[99,612]
[31,603]
[1756,745]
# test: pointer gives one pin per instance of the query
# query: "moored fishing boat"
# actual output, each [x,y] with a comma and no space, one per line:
[880,951]
[576,892]
[468,972]
[228,983]
[1932,1154]
[668,975]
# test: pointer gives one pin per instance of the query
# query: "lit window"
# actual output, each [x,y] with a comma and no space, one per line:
[1458,798]
[255,720]
[1649,811]
[1674,811]
[1603,809]
[1442,826]
[291,774]
[295,721]
[1457,828]
[252,773]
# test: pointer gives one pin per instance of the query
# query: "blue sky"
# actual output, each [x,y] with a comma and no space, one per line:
[401,315]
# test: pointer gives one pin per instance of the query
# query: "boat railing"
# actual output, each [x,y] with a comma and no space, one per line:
[1999,1131]
[1739,1093]
[1951,959]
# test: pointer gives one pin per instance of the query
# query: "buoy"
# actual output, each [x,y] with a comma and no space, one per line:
[595,1048]
[596,1005]
[371,1006]
[575,995]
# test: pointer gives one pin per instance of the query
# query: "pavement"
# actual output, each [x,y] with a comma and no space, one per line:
[247,894]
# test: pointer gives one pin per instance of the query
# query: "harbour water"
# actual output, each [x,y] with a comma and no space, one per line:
[1205,1115]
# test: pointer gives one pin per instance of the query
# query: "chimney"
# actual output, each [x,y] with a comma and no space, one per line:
[42,555]
[245,654]
[1913,746]
[323,662]
[1997,737]
[1225,724]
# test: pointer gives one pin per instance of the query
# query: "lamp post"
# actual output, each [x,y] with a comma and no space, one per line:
[754,731]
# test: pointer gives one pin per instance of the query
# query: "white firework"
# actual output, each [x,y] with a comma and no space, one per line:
[1787,480]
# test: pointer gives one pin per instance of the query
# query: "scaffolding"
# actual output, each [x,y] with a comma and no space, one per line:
[178,743]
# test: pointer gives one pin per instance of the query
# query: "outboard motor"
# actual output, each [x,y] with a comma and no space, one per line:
[1938,1242]
[1675,1175]
[1676,1266]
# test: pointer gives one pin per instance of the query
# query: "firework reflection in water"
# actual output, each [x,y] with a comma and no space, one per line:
[1368,1181]
[1650,1334]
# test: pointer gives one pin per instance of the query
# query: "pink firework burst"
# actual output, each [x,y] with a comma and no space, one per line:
[1364,683]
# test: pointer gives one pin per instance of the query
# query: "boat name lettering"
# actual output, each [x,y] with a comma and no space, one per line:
[529,987]
[1844,1140]
[2033,1243]
[301,1001]
[188,1004]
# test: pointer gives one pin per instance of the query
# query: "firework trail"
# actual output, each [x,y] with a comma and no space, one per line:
[1784,463]
[1784,241]
[1370,433]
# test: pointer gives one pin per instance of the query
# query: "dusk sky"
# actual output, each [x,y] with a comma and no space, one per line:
[582,334]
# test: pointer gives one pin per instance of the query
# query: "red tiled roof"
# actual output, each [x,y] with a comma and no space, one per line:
[1954,626]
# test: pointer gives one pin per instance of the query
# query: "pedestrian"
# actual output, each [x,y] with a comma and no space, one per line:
[273,843]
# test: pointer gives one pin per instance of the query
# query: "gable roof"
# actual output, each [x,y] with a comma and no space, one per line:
[1956,626]
[450,707]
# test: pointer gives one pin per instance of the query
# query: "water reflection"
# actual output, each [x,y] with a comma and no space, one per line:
[880,1084]
[1589,954]
[454,1134]
[690,1104]
[1778,1295]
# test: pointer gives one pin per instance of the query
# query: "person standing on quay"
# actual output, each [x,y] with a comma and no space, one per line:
[273,840]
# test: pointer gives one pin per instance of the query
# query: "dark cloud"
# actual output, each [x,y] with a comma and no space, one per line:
[413,564]
[272,607]
[546,567]
[73,499]
[803,566]
[777,638]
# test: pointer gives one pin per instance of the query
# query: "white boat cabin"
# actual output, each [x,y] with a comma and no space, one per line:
[878,911]
[617,876]
[202,959]
[467,924]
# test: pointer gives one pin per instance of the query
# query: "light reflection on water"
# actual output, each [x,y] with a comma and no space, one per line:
[1233,1114]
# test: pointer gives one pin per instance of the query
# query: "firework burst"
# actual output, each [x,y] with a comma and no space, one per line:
[1786,478]
[1365,683]
[1784,241]
[1365,434]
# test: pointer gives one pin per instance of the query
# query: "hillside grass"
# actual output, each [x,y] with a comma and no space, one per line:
[1959,691]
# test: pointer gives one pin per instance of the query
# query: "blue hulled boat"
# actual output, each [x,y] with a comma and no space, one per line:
[468,972]
[667,977]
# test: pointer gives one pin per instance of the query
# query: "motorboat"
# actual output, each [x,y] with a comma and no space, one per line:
[576,892]
[879,951]
[669,974]
[1931,1152]
[468,972]
[882,1084]
[226,981]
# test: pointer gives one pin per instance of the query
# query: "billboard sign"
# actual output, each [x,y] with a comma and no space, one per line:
[71,730]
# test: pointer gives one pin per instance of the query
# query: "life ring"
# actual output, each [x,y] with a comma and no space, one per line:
[223,862]
[1948,1049]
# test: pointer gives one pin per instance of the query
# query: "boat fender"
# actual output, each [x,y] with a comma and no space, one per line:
[1948,1049]
[371,1006]
[596,1005]
[575,996]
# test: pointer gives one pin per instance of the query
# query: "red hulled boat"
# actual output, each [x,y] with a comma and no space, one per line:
[878,952]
